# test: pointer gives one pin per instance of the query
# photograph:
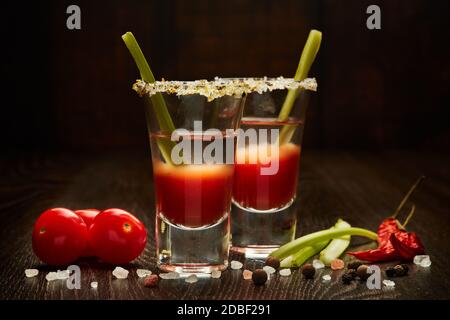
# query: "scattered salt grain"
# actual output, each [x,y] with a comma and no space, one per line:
[120,273]
[51,276]
[247,274]
[216,274]
[285,272]
[62,274]
[191,279]
[269,269]
[94,285]
[389,283]
[317,264]
[169,275]
[142,273]
[235,265]
[29,273]
[422,260]
[326,277]
[337,264]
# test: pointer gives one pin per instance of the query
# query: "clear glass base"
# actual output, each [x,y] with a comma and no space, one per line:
[192,250]
[257,233]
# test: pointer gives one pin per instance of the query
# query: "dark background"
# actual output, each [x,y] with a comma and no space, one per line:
[71,89]
[73,134]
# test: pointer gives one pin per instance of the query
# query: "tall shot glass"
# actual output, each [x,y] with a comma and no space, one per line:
[193,173]
[264,192]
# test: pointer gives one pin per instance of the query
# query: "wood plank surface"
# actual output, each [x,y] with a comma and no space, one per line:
[361,187]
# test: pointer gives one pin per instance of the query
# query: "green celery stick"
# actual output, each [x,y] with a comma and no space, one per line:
[297,259]
[159,105]
[337,246]
[306,60]
[317,237]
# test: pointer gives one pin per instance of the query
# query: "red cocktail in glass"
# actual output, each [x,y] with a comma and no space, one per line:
[260,192]
[192,180]
[264,216]
[193,195]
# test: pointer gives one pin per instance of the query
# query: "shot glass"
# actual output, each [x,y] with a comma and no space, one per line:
[193,172]
[267,172]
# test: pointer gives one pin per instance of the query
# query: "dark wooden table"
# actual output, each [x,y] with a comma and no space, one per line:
[361,187]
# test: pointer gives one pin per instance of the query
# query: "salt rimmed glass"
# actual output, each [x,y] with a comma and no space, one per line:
[264,211]
[193,196]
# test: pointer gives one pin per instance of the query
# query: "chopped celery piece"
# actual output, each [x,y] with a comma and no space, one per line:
[297,259]
[320,236]
[337,246]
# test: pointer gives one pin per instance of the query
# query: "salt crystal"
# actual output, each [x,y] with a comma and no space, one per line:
[317,264]
[62,274]
[143,273]
[29,273]
[326,277]
[426,263]
[120,273]
[235,265]
[191,279]
[51,276]
[169,275]
[389,283]
[216,274]
[94,285]
[285,272]
[269,269]
[422,260]
[247,274]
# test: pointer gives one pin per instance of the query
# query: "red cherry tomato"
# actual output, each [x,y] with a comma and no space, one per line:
[88,216]
[59,236]
[117,236]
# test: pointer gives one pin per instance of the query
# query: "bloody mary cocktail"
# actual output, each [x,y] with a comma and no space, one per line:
[191,128]
[256,191]
[193,195]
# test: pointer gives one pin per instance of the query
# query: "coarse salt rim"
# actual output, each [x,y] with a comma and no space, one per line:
[220,87]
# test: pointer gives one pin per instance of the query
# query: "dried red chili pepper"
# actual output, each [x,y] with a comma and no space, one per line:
[384,253]
[385,250]
[386,228]
[393,242]
[407,244]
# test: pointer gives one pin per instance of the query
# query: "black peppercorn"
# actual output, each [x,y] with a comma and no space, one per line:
[259,277]
[352,273]
[273,262]
[354,265]
[405,267]
[347,278]
[399,271]
[308,271]
[390,272]
[362,272]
